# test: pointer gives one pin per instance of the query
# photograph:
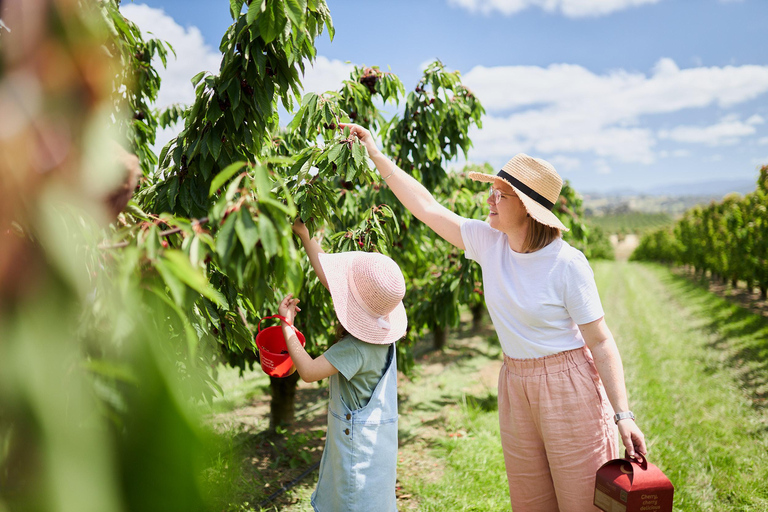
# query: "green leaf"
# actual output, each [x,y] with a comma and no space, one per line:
[253,10]
[175,285]
[173,192]
[185,198]
[233,91]
[113,370]
[196,79]
[247,231]
[234,188]
[192,339]
[215,144]
[263,183]
[224,175]
[192,277]
[225,239]
[333,154]
[359,154]
[235,6]
[296,11]
[272,21]
[268,236]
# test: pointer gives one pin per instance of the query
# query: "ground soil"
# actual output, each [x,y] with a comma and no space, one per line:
[624,246]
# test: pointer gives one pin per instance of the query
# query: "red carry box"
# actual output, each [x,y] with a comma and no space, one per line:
[626,485]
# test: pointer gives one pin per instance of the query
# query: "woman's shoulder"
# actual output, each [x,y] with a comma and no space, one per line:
[565,253]
[480,230]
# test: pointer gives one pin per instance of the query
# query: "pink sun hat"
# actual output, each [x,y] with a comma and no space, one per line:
[367,289]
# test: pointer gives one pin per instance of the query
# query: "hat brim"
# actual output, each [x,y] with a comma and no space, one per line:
[358,322]
[536,210]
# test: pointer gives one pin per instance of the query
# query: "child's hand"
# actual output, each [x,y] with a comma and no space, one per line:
[300,229]
[288,308]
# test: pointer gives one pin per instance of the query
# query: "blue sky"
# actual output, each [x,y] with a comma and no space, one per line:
[616,94]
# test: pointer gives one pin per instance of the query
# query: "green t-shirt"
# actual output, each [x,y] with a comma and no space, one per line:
[361,366]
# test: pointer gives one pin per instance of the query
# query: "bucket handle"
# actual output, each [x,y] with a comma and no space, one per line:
[258,327]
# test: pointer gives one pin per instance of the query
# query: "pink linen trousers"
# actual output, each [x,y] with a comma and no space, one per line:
[556,431]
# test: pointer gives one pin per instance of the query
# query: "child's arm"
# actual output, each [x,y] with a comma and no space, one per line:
[313,249]
[310,370]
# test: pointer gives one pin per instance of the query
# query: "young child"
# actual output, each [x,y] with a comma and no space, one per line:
[358,468]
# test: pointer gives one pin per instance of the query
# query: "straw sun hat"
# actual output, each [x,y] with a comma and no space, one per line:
[536,183]
[367,291]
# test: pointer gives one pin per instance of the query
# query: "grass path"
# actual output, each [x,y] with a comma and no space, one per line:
[697,375]
[696,366]
[697,369]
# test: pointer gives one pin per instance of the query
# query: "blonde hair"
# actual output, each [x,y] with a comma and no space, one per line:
[539,235]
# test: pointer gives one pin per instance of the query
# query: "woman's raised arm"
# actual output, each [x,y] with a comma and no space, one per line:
[411,193]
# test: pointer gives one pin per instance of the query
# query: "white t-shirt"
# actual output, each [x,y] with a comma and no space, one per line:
[535,299]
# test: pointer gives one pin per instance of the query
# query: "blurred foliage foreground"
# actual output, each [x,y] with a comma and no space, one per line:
[92,414]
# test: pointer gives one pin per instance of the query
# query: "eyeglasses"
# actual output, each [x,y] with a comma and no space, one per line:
[495,195]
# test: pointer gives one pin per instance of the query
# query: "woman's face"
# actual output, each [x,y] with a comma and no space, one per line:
[506,209]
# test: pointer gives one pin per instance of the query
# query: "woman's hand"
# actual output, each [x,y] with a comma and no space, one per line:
[633,439]
[300,229]
[288,308]
[364,135]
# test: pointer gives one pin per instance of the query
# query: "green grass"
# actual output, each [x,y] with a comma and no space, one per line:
[474,478]
[686,353]
[697,369]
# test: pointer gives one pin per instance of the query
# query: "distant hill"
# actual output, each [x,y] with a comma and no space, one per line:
[710,189]
[673,199]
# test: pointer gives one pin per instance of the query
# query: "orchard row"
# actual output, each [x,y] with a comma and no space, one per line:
[728,239]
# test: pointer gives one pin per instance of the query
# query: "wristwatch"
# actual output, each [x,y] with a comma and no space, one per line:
[628,415]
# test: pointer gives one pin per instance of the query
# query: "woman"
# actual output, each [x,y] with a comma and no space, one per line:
[561,389]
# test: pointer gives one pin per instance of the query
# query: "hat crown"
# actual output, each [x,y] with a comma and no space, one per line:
[536,173]
[378,281]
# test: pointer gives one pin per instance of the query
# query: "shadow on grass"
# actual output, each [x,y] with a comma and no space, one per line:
[487,403]
[737,332]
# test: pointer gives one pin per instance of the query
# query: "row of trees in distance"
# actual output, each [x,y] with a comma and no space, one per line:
[728,239]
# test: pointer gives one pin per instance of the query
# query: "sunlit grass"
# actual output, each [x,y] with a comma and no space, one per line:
[678,343]
[694,366]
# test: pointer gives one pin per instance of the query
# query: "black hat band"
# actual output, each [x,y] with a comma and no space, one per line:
[525,189]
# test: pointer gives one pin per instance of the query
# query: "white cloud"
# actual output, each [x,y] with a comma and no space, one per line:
[762,141]
[755,119]
[325,75]
[192,53]
[677,153]
[570,8]
[726,132]
[602,167]
[566,108]
[565,163]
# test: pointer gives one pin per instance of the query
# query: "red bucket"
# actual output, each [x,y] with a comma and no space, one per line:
[273,352]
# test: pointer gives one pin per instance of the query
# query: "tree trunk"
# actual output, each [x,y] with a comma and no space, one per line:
[477,316]
[439,336]
[282,407]
[763,292]
[734,283]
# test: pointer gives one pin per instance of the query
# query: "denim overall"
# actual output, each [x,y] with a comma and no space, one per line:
[359,464]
